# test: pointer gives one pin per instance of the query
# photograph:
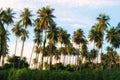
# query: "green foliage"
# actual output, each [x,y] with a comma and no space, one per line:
[14,61]
[4,74]
[87,74]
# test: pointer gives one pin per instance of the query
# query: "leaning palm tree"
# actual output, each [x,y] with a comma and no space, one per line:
[6,17]
[25,21]
[5,39]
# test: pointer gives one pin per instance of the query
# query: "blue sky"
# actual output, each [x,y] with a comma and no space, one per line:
[70,14]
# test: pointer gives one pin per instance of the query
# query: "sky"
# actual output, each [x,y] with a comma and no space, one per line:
[70,15]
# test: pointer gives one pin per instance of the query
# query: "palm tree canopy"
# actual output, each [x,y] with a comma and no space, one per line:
[7,16]
[113,37]
[94,53]
[84,48]
[45,16]
[96,36]
[102,22]
[38,36]
[24,34]
[17,30]
[78,36]
[26,17]
[53,33]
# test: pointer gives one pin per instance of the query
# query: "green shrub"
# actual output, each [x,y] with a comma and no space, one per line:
[4,74]
[86,74]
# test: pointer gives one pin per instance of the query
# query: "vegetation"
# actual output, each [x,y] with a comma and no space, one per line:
[91,62]
[27,74]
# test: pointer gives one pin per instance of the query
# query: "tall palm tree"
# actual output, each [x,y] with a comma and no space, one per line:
[6,17]
[78,38]
[96,37]
[45,18]
[113,37]
[37,41]
[37,38]
[53,38]
[17,32]
[25,21]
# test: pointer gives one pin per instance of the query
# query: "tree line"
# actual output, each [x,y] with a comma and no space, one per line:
[47,35]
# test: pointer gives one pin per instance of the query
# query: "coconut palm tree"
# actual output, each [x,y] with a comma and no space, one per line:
[6,17]
[25,21]
[45,18]
[37,41]
[96,37]
[78,38]
[17,32]
[53,38]
[113,37]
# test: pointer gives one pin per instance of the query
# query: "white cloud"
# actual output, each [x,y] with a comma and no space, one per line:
[85,3]
[82,21]
[35,4]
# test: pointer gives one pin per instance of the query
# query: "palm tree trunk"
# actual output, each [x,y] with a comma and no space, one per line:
[15,46]
[37,61]
[70,59]
[3,59]
[21,53]
[22,49]
[32,53]
[44,42]
[15,52]
[64,60]
[81,63]
[51,56]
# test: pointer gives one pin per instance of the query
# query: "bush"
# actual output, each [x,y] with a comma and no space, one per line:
[87,74]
